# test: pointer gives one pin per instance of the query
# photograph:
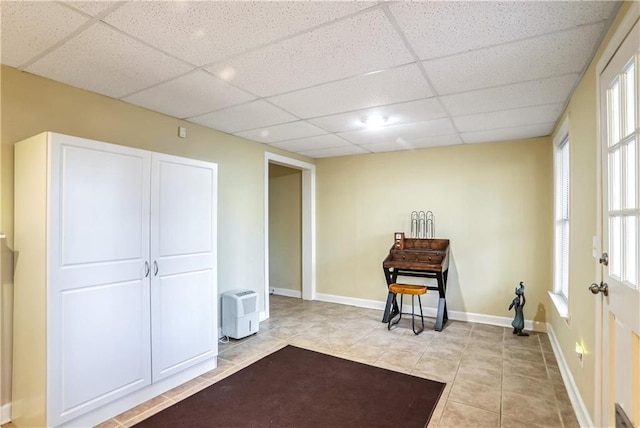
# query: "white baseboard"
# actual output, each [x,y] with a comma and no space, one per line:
[496,320]
[286,292]
[5,414]
[351,301]
[431,312]
[572,389]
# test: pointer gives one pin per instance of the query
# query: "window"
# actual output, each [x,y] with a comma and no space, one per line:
[560,295]
[623,211]
[562,219]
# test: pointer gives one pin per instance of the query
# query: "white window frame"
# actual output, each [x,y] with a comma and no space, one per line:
[561,217]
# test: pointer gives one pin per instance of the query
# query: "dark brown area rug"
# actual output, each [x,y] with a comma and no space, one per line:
[295,387]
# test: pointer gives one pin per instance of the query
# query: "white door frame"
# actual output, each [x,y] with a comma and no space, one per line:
[308,225]
[614,43]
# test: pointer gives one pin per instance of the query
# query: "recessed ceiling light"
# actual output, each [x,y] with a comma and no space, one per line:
[227,73]
[374,120]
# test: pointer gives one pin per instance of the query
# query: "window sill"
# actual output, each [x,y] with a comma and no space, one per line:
[561,304]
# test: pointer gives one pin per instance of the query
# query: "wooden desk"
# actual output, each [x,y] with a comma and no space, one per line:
[423,258]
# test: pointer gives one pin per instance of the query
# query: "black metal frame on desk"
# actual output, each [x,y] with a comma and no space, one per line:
[391,308]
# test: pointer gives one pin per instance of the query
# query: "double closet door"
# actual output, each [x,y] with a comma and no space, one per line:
[131,269]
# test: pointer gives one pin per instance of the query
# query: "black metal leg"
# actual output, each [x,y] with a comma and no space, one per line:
[390,308]
[442,316]
[445,274]
[413,322]
[399,313]
[421,314]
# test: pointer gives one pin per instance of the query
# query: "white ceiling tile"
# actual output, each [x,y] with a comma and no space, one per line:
[531,59]
[435,29]
[286,131]
[420,143]
[435,141]
[389,146]
[312,143]
[516,133]
[29,28]
[374,89]
[509,118]
[331,63]
[334,152]
[413,111]
[354,46]
[105,61]
[406,131]
[253,115]
[545,91]
[192,94]
[367,136]
[430,128]
[92,8]
[201,32]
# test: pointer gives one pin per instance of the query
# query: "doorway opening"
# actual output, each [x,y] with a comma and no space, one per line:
[285,231]
[290,168]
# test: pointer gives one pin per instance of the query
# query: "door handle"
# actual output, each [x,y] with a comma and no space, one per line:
[155,268]
[147,269]
[602,288]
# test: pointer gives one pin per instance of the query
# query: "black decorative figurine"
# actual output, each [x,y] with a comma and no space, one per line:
[518,304]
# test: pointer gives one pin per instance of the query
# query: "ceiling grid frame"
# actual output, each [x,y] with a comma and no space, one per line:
[404,114]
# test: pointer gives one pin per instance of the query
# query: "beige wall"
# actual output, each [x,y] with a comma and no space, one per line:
[285,228]
[31,105]
[581,325]
[493,201]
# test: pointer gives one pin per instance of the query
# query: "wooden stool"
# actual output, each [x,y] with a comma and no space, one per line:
[413,290]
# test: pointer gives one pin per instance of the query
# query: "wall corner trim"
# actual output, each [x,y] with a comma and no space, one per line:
[572,389]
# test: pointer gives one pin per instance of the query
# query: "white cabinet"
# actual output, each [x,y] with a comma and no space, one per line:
[183,253]
[115,295]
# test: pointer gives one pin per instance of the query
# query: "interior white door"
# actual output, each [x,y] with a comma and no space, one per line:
[621,231]
[183,253]
[98,293]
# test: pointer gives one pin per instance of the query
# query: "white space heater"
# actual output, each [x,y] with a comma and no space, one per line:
[240,316]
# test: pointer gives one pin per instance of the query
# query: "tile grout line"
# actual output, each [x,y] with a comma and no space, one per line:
[464,340]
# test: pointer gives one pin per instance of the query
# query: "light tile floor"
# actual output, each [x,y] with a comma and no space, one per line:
[494,379]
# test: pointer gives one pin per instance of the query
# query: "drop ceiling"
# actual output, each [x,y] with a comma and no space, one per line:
[303,76]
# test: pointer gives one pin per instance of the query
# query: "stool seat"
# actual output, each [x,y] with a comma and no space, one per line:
[414,290]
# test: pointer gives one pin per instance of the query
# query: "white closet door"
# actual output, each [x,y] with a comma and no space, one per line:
[183,253]
[99,318]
